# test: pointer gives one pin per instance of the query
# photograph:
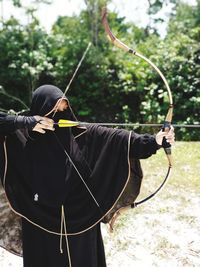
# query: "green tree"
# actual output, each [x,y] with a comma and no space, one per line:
[24,58]
[110,85]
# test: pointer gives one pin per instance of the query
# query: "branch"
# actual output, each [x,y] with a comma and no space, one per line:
[3,92]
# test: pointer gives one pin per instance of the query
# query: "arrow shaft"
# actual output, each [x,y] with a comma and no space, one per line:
[66,124]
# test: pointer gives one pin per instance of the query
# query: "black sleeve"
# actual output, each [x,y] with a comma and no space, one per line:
[7,123]
[143,145]
[10,123]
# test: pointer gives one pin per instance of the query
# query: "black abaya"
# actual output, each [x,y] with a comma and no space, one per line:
[41,249]
[40,179]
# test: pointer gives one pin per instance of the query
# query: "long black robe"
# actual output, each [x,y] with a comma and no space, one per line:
[40,179]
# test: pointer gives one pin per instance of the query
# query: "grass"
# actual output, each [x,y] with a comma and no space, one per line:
[185,173]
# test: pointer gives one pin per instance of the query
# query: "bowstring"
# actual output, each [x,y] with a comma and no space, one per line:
[67,155]
[73,76]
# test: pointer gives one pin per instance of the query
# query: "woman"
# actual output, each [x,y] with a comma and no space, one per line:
[64,182]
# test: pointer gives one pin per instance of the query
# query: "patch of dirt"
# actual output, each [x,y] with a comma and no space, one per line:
[161,233]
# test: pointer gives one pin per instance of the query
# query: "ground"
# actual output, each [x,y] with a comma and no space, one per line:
[163,232]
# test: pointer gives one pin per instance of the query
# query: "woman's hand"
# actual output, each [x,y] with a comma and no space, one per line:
[43,124]
[170,136]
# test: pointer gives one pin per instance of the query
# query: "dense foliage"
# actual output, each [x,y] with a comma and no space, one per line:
[110,85]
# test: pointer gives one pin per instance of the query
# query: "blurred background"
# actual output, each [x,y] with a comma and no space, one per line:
[43,41]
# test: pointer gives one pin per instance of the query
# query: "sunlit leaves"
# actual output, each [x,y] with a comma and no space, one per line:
[110,85]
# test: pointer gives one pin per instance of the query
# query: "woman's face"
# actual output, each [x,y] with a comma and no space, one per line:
[61,105]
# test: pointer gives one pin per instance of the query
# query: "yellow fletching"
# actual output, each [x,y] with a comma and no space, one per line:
[67,123]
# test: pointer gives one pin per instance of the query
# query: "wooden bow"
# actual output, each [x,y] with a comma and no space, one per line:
[168,119]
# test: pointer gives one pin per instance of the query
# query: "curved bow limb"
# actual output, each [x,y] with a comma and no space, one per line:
[167,123]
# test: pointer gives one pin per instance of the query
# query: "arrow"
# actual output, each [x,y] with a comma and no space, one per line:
[69,123]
